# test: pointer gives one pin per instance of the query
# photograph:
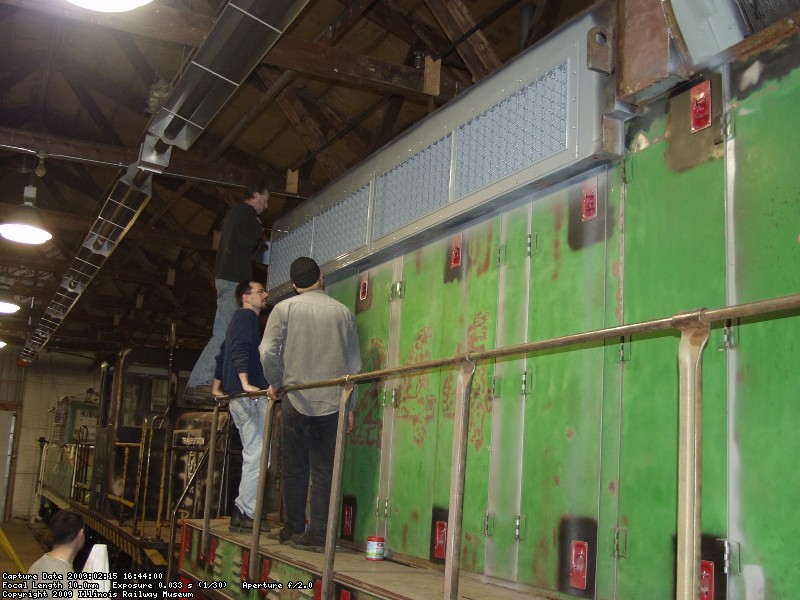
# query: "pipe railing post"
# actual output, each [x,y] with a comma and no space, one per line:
[205,540]
[252,570]
[336,494]
[452,561]
[695,329]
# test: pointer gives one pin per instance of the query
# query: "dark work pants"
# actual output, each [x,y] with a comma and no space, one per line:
[308,446]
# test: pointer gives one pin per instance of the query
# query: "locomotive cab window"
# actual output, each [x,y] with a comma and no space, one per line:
[146,394]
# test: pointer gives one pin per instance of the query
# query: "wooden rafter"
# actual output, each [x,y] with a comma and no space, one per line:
[117,156]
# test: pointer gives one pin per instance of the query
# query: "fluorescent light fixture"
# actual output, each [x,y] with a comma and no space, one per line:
[2,344]
[110,5]
[24,225]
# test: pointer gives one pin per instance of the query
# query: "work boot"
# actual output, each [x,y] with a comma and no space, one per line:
[303,541]
[282,534]
[240,522]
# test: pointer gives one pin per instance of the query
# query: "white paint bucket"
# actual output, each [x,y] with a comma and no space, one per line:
[375,548]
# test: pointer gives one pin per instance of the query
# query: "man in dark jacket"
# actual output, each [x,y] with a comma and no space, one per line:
[241,236]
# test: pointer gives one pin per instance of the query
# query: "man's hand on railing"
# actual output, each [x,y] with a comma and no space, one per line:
[273,393]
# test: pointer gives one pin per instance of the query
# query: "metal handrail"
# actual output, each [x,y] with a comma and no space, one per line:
[694,326]
[209,484]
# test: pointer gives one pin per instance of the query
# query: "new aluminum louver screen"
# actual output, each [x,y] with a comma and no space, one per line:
[525,128]
[295,243]
[413,189]
[342,228]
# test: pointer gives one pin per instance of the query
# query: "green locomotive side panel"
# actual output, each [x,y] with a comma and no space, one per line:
[564,393]
[415,428]
[765,378]
[361,475]
[674,260]
[477,306]
[446,308]
[508,405]
[606,563]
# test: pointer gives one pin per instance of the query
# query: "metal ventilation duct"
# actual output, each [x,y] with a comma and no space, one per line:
[238,42]
[244,33]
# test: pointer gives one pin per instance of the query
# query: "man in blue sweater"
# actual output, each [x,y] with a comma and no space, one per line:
[239,370]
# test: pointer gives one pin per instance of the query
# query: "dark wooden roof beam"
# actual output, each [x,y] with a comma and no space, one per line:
[454,19]
[121,95]
[24,67]
[137,59]
[119,157]
[358,69]
[93,110]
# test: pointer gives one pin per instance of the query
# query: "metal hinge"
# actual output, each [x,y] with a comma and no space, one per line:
[488,524]
[390,398]
[494,391]
[728,125]
[627,170]
[730,335]
[501,256]
[731,557]
[619,542]
[524,389]
[384,505]
[624,349]
[396,291]
[520,525]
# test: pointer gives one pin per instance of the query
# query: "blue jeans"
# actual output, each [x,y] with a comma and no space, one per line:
[203,371]
[248,416]
[308,446]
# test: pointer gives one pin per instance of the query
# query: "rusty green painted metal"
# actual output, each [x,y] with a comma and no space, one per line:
[477,307]
[674,258]
[508,404]
[360,479]
[562,414]
[415,440]
[765,402]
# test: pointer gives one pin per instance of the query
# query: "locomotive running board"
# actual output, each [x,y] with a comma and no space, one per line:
[282,568]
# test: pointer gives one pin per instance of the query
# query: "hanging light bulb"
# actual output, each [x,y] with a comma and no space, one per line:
[24,225]
[110,5]
[40,171]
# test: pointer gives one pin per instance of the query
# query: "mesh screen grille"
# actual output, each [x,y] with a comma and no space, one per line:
[295,243]
[342,228]
[523,129]
[413,189]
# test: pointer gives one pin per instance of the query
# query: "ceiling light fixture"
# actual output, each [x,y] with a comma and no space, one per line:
[8,305]
[24,224]
[2,344]
[110,5]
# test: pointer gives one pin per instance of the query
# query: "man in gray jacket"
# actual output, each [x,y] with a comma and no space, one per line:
[308,337]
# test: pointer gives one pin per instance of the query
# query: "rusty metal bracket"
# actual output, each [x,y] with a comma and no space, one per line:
[600,49]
